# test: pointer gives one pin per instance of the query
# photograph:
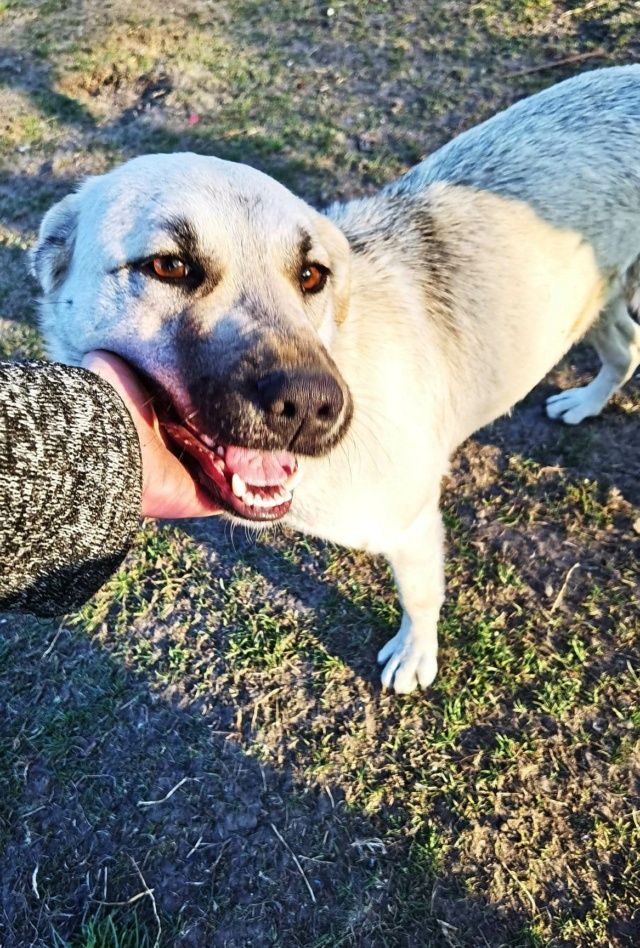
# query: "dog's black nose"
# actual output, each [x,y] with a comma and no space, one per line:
[302,405]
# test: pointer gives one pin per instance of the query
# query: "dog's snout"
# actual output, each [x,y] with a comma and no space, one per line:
[300,403]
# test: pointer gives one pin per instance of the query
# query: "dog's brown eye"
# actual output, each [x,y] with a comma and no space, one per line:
[170,268]
[312,278]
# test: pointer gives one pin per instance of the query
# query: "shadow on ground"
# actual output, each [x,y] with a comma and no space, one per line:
[234,852]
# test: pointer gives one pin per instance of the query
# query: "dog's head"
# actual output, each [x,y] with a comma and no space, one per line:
[224,290]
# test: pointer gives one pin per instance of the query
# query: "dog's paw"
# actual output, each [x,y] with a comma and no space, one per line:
[409,662]
[574,405]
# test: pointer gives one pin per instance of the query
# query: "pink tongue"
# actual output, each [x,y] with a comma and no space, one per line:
[258,468]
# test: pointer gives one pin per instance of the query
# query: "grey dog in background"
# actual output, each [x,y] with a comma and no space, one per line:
[319,369]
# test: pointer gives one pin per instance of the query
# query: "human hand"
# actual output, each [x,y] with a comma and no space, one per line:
[168,490]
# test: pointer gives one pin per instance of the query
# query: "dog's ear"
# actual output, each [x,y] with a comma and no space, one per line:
[338,247]
[51,256]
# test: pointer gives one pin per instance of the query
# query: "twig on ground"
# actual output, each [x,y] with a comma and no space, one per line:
[34,881]
[237,132]
[449,932]
[96,777]
[194,847]
[167,795]
[53,641]
[220,854]
[563,588]
[134,898]
[566,61]
[200,845]
[31,812]
[297,862]
[149,892]
[576,11]
[372,845]
[521,884]
[434,893]
[261,700]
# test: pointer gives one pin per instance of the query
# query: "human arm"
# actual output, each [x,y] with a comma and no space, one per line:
[75,453]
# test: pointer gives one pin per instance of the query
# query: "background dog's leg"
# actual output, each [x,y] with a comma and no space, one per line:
[616,338]
[417,561]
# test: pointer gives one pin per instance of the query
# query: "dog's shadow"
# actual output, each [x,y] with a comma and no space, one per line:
[604,449]
[351,623]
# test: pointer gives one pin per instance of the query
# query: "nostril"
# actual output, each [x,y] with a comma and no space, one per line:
[328,402]
[296,397]
[282,408]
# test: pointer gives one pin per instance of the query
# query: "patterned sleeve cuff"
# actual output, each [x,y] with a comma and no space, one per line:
[70,486]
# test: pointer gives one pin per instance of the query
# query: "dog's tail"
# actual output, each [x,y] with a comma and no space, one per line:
[633,289]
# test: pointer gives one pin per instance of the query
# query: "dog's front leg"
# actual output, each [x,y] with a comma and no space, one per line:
[417,560]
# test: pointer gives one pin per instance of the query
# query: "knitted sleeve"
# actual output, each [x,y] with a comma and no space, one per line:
[70,486]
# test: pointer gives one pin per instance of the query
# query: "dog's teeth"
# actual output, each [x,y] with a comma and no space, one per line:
[286,497]
[219,465]
[259,501]
[210,443]
[248,499]
[238,486]
[219,449]
[293,479]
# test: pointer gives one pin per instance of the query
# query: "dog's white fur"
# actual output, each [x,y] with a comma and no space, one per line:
[452,293]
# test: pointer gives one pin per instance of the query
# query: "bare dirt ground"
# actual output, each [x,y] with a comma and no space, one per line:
[203,755]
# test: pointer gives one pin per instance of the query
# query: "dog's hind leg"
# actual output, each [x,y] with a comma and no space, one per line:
[417,561]
[616,339]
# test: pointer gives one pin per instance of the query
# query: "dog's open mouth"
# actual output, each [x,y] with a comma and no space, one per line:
[252,484]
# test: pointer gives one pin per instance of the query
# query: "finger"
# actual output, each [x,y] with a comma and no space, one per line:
[169,491]
[122,377]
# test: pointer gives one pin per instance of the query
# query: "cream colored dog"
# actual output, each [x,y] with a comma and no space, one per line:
[319,369]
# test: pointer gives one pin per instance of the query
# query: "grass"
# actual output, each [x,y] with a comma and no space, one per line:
[500,807]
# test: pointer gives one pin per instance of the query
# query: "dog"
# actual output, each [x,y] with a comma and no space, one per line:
[319,369]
